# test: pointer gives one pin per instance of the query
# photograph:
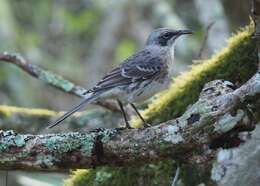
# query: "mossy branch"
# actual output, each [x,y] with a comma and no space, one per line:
[219,111]
[51,78]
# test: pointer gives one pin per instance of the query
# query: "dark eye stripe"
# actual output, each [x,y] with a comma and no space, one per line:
[167,35]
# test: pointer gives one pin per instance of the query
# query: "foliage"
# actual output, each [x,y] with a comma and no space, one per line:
[159,173]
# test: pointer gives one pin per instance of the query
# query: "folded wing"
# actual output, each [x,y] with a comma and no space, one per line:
[140,67]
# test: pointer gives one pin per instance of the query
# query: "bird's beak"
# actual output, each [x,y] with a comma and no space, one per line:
[182,32]
[178,34]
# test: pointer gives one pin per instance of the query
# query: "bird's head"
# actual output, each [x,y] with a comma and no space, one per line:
[165,36]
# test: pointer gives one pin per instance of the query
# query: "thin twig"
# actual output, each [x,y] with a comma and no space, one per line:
[175,179]
[51,78]
[204,41]
[6,178]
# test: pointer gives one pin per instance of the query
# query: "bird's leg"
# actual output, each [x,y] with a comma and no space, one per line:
[124,114]
[140,116]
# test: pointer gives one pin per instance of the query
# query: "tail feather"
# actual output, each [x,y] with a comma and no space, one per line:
[72,111]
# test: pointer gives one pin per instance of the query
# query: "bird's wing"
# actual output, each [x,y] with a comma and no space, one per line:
[144,65]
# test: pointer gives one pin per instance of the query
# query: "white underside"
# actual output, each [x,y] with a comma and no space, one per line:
[141,94]
[135,96]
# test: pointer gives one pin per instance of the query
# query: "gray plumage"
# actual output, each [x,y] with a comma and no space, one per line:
[139,77]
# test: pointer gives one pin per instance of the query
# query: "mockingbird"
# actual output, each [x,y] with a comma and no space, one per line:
[139,77]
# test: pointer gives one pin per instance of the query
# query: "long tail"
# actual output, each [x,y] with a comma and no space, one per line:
[73,110]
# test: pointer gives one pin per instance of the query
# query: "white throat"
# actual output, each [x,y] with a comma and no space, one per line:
[171,61]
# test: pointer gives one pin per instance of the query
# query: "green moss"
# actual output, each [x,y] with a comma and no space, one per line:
[160,173]
[56,80]
[236,63]
[78,178]
[8,111]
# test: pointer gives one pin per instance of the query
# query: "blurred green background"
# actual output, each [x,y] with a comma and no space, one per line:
[83,39]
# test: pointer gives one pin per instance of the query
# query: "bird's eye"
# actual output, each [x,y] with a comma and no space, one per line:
[167,35]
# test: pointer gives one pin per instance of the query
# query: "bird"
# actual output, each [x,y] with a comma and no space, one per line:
[138,77]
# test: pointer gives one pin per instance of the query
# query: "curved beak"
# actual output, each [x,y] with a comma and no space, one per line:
[178,34]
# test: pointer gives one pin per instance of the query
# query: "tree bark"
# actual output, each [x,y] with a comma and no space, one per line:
[239,166]
[220,111]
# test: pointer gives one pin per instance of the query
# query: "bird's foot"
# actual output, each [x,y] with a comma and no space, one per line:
[128,126]
[97,130]
[124,128]
[145,125]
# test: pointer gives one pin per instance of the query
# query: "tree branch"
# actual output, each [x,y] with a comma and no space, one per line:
[239,166]
[204,41]
[219,111]
[51,78]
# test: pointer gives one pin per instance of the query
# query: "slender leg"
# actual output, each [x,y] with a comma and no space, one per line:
[140,116]
[124,114]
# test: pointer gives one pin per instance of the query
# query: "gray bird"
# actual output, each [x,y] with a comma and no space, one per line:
[139,77]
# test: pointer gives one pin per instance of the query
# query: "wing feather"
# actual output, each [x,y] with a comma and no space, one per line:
[139,67]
